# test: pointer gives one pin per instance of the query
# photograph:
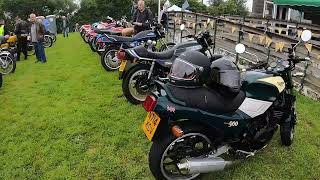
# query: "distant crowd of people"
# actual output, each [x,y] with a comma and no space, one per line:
[36,27]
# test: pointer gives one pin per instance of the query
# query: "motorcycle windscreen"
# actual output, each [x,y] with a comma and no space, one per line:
[230,78]
[183,70]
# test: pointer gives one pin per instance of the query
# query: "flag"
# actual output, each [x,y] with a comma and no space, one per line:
[185,5]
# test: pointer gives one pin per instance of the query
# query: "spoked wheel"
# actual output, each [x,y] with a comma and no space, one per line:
[47,41]
[109,59]
[165,155]
[135,85]
[7,64]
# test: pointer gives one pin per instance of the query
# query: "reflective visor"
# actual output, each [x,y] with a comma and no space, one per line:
[183,70]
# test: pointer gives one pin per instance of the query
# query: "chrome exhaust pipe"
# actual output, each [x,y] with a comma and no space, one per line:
[203,165]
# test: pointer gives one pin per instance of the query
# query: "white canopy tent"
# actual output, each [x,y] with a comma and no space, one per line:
[174,8]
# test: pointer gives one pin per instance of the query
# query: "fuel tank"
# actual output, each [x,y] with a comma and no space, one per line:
[262,86]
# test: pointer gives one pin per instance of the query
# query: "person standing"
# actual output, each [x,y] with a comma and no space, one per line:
[142,20]
[65,26]
[4,33]
[22,30]
[37,31]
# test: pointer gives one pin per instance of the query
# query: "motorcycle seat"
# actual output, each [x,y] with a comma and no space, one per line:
[106,31]
[207,99]
[122,38]
[144,53]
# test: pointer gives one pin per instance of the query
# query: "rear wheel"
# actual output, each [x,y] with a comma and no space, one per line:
[135,85]
[109,59]
[168,151]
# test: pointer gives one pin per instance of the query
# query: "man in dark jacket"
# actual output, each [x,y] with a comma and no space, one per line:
[4,33]
[22,30]
[142,20]
[37,31]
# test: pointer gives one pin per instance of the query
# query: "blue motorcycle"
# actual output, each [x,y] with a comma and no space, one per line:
[110,45]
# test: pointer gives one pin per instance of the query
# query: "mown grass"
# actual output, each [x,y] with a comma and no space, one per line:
[67,119]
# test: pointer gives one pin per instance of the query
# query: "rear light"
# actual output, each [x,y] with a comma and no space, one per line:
[150,103]
[121,55]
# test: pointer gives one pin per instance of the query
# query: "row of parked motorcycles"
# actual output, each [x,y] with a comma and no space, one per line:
[204,113]
[8,53]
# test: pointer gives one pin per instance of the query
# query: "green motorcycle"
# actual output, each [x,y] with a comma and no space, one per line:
[198,129]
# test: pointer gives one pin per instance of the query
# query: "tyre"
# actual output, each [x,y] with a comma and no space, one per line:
[7,64]
[86,39]
[167,151]
[54,37]
[47,41]
[109,59]
[135,84]
[31,50]
[93,45]
[287,131]
[167,46]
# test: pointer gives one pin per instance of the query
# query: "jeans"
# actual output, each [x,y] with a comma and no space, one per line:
[65,32]
[39,49]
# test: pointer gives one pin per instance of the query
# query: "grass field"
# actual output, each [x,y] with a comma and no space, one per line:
[67,119]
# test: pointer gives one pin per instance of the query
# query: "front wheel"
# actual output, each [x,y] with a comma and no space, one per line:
[287,130]
[167,152]
[7,64]
[93,45]
[109,59]
[136,85]
[47,41]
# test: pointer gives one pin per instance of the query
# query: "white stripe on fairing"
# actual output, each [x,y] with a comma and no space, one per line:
[254,107]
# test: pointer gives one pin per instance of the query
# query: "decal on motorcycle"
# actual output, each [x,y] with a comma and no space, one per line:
[254,107]
[276,81]
[232,124]
[171,109]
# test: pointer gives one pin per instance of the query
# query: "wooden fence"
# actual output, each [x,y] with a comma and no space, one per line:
[265,39]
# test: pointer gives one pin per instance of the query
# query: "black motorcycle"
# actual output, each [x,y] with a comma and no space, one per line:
[206,128]
[140,67]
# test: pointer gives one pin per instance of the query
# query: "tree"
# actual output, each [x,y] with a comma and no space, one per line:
[229,7]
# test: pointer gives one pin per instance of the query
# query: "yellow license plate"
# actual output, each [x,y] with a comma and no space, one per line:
[122,65]
[150,124]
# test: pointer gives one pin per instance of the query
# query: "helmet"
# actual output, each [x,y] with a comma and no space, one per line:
[225,74]
[190,69]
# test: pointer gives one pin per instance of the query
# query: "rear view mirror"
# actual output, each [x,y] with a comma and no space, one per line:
[182,27]
[240,48]
[306,35]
